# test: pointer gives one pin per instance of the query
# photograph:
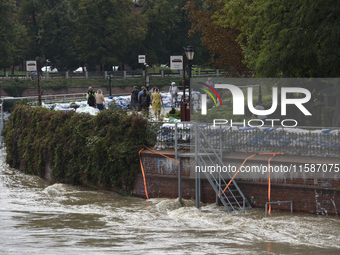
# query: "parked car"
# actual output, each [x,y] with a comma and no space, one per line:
[79,70]
[49,69]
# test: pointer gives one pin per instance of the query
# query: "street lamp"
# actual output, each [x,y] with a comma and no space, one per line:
[110,83]
[189,52]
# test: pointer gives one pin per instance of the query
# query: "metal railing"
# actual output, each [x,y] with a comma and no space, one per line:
[231,196]
[114,74]
[302,141]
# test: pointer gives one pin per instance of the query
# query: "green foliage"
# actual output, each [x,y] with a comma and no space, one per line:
[292,38]
[106,30]
[15,87]
[100,151]
[8,31]
[175,114]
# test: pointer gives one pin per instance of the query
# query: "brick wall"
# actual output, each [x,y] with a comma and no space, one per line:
[308,196]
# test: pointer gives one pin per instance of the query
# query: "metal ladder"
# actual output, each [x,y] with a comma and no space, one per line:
[232,198]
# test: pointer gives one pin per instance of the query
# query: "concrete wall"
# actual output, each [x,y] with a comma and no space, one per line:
[310,195]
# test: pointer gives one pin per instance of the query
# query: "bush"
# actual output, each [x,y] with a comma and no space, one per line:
[96,151]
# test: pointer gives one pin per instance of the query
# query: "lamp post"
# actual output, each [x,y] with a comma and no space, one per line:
[110,84]
[189,52]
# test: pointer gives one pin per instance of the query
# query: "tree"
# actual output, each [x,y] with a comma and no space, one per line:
[7,36]
[292,38]
[28,16]
[220,40]
[106,30]
[168,25]
[57,33]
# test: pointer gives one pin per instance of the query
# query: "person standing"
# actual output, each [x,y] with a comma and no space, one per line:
[173,92]
[156,103]
[144,102]
[100,100]
[210,83]
[134,98]
[139,94]
[90,96]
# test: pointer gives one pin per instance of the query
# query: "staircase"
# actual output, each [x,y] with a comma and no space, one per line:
[206,155]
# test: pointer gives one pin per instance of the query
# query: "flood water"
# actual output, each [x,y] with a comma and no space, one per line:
[62,219]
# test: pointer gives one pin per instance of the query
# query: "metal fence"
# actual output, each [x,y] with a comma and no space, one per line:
[304,141]
[113,74]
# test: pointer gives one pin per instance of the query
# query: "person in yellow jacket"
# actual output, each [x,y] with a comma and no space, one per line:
[157,103]
[91,97]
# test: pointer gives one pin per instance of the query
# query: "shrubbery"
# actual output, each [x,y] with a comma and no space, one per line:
[96,151]
[16,87]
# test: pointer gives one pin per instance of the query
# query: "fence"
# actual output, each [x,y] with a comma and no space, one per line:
[114,74]
[305,141]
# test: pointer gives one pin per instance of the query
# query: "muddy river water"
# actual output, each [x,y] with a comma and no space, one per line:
[36,218]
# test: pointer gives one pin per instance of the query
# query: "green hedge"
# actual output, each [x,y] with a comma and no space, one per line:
[16,87]
[96,151]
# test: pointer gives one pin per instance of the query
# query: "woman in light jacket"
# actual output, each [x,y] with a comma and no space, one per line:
[100,100]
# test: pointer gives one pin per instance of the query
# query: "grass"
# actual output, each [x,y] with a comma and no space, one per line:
[98,82]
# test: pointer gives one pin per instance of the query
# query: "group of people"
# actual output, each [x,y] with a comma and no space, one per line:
[95,99]
[141,100]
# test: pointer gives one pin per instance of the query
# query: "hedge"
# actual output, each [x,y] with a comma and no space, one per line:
[95,151]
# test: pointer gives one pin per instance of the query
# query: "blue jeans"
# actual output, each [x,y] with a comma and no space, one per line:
[134,104]
[100,107]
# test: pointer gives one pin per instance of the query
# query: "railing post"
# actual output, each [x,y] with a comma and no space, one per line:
[66,74]
[124,74]
[180,182]
[197,195]
[221,142]
[291,207]
[2,121]
[218,201]
[105,74]
[162,73]
[176,133]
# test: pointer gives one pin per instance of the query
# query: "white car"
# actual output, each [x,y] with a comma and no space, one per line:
[79,70]
[49,69]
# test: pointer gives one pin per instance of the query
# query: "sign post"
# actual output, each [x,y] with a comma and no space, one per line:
[33,66]
[176,62]
[185,114]
[142,59]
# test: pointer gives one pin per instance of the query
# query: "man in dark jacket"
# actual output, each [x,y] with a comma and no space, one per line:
[144,102]
[91,97]
[134,98]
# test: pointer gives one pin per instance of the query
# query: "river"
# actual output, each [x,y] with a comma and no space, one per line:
[36,218]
